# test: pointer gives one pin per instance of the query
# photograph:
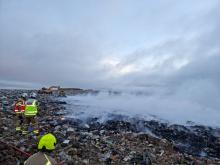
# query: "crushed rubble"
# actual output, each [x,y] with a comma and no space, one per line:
[117,141]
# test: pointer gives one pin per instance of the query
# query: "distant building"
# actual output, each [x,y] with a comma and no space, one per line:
[62,92]
[54,90]
[51,90]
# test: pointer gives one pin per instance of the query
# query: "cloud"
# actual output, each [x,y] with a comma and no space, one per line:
[108,44]
[48,58]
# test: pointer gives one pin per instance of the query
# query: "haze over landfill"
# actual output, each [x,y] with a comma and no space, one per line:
[167,49]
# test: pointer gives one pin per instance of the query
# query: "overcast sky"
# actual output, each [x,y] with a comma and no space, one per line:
[112,43]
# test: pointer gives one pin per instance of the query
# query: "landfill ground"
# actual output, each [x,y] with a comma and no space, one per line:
[116,141]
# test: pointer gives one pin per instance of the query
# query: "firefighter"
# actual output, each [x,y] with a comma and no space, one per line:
[46,145]
[31,110]
[19,111]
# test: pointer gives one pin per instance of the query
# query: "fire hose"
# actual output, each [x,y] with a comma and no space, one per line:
[19,150]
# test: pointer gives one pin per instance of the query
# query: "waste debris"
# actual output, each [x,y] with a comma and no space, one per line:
[115,141]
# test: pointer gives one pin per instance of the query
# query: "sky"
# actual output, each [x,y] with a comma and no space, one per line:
[172,45]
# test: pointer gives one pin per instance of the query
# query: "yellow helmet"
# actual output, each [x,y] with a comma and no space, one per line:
[47,141]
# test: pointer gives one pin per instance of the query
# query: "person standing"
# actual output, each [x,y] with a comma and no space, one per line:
[31,110]
[19,110]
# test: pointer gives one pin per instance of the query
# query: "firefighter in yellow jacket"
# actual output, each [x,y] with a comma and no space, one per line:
[31,110]
[46,144]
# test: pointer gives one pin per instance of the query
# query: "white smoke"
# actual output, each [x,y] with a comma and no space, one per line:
[172,108]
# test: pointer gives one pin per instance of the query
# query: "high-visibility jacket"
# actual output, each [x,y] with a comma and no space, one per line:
[40,158]
[31,108]
[19,107]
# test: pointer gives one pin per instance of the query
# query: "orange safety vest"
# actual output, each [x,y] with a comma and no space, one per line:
[20,107]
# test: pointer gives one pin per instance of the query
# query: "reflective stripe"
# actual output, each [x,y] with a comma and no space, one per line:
[19,111]
[18,128]
[48,161]
[36,131]
[24,132]
[30,113]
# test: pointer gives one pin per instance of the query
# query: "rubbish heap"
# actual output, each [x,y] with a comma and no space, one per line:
[112,142]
